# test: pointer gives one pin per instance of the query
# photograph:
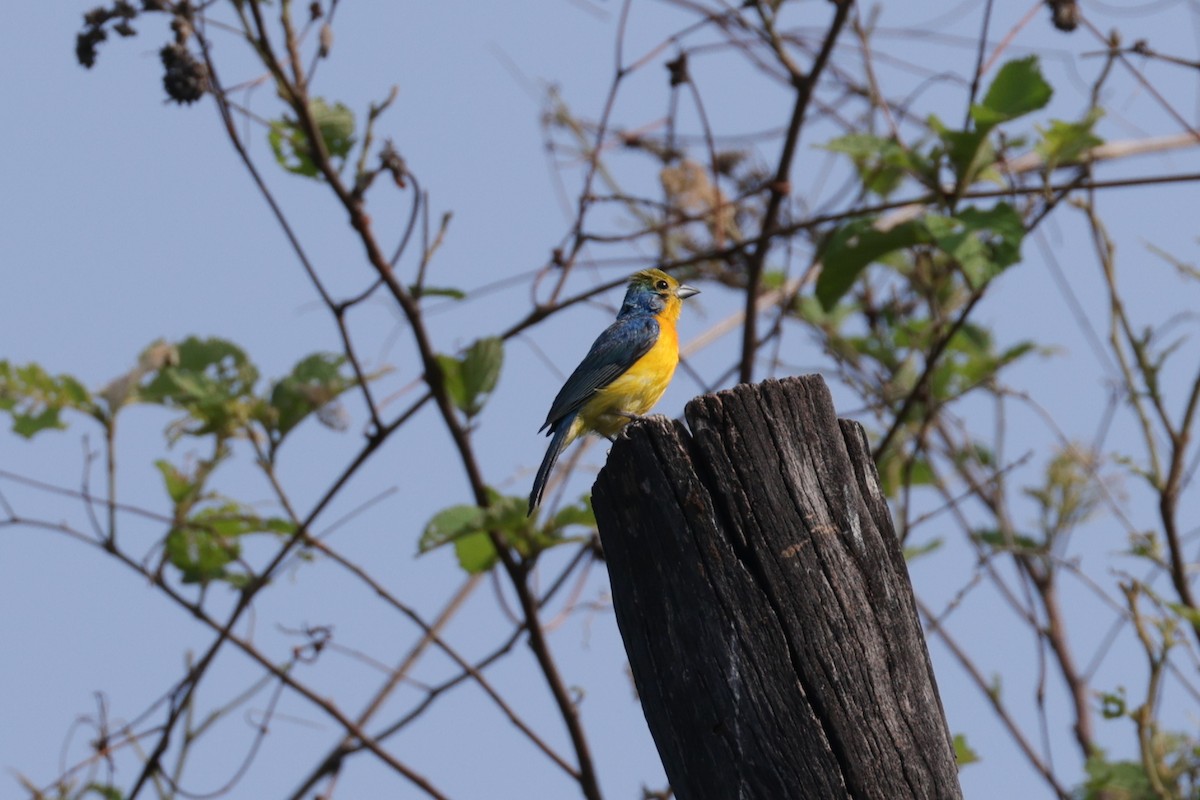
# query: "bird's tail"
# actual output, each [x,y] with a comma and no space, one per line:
[562,438]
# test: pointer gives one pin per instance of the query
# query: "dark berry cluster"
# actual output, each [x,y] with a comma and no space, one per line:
[94,31]
[184,77]
[1065,14]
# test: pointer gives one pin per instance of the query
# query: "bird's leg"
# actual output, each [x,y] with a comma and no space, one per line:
[611,418]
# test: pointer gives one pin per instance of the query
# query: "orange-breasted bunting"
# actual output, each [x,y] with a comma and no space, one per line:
[623,375]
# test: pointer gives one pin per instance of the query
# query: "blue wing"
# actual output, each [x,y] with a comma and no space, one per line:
[613,352]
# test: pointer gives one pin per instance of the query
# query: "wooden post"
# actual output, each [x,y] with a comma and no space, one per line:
[765,604]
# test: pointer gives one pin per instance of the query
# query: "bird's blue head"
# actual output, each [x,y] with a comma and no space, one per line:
[653,291]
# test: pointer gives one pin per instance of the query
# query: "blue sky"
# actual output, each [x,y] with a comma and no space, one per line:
[127,220]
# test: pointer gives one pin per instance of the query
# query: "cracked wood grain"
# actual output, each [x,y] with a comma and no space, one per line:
[765,604]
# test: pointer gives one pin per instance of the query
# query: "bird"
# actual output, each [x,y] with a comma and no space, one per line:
[624,373]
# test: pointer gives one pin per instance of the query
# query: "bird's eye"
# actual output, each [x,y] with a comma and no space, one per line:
[662,286]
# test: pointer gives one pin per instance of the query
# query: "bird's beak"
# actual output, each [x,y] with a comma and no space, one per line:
[685,291]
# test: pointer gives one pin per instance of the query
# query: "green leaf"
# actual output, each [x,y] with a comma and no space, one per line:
[104,791]
[898,469]
[1190,615]
[199,554]
[336,124]
[507,514]
[1112,704]
[206,370]
[1019,350]
[466,527]
[470,379]
[983,242]
[999,541]
[1115,780]
[179,487]
[452,379]
[1066,142]
[970,153]
[849,250]
[913,552]
[212,380]
[279,525]
[450,524]
[469,527]
[773,279]
[35,399]
[27,425]
[231,519]
[481,369]
[418,292]
[289,141]
[882,163]
[1018,89]
[1006,227]
[1145,544]
[202,546]
[975,453]
[810,310]
[580,513]
[475,552]
[963,753]
[314,383]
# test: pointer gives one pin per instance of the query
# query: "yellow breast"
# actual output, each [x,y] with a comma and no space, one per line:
[637,390]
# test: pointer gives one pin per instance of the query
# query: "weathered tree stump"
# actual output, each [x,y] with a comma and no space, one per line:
[765,604]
